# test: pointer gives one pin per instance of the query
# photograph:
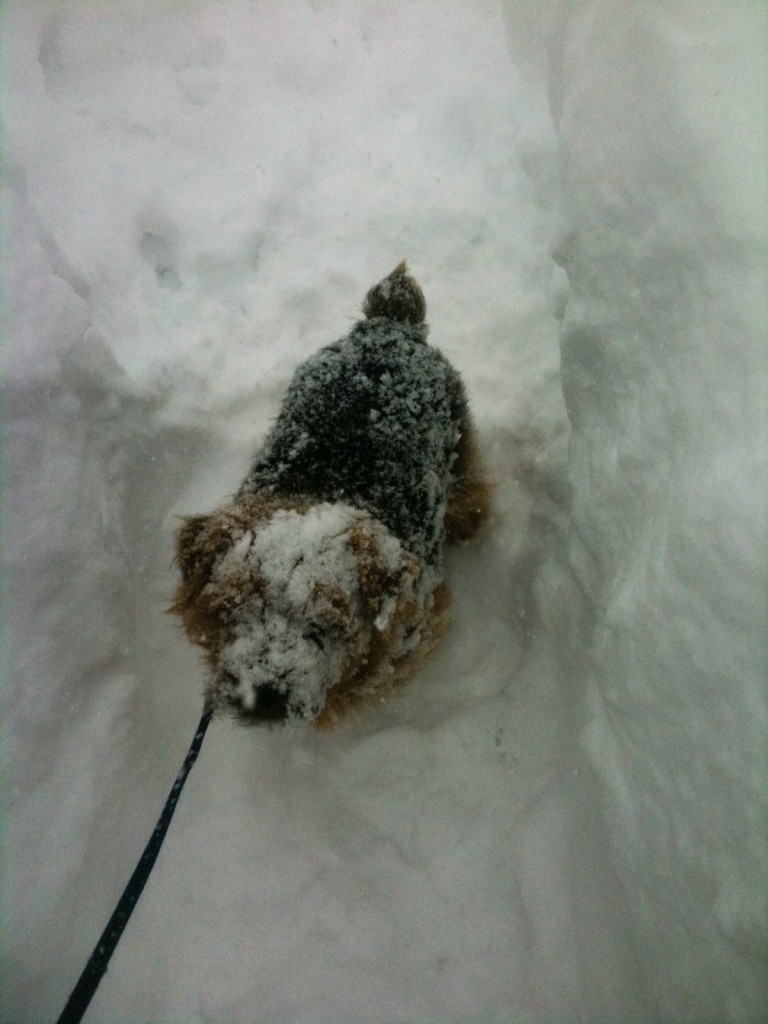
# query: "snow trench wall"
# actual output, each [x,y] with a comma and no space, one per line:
[660,227]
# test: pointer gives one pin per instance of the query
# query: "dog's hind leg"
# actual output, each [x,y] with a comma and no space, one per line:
[469,502]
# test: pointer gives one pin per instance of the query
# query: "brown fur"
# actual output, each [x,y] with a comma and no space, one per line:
[470,501]
[199,542]
[369,671]
[371,677]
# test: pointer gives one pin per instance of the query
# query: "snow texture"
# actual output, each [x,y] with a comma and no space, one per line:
[563,817]
[661,230]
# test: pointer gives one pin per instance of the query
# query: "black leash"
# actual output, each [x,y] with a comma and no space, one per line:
[96,967]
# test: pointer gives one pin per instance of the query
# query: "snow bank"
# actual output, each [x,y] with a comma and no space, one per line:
[661,230]
[196,197]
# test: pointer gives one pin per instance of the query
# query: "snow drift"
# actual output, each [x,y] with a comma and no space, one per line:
[661,231]
[563,817]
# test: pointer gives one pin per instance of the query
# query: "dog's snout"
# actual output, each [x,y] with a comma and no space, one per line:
[271,705]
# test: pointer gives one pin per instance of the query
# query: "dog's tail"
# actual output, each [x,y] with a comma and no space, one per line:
[397,297]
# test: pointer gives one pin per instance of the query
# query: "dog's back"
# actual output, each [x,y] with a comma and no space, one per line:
[374,421]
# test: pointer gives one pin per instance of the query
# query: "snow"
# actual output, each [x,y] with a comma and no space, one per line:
[661,229]
[563,816]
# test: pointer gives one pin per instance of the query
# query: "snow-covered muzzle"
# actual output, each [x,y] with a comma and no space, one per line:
[303,611]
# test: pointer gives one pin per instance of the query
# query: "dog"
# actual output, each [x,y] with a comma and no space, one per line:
[320,585]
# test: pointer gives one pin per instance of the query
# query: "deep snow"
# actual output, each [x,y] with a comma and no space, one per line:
[563,816]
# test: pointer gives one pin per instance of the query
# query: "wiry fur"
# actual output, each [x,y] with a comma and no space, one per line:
[320,586]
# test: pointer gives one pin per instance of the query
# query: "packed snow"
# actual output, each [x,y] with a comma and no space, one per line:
[563,816]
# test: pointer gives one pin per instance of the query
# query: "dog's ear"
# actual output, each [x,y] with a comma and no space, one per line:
[202,539]
[198,543]
[380,579]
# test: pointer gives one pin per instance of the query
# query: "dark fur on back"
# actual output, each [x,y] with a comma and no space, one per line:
[372,420]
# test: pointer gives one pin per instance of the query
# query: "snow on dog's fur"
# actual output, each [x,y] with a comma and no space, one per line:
[321,584]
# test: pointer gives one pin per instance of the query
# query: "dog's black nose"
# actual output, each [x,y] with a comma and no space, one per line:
[271,704]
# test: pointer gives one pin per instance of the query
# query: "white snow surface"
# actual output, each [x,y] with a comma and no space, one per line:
[563,817]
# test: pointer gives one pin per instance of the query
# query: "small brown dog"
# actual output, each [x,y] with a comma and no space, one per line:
[321,584]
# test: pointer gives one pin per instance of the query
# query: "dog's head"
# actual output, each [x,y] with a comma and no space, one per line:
[301,610]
